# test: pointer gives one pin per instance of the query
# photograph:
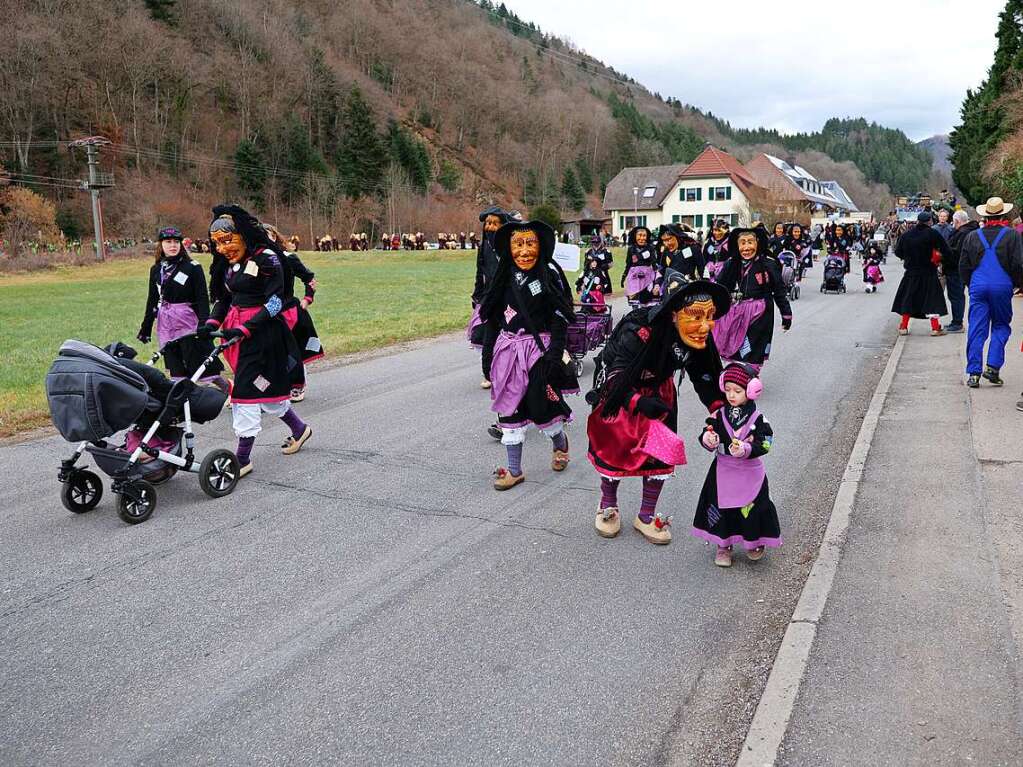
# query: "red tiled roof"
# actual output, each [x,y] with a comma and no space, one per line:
[714,162]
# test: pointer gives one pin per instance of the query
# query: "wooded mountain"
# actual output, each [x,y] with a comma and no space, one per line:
[939,150]
[407,114]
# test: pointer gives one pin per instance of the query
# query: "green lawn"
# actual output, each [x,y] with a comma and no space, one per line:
[364,301]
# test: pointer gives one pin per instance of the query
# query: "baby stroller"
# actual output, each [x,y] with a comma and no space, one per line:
[834,275]
[788,273]
[94,393]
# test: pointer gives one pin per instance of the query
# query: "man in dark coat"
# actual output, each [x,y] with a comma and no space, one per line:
[920,296]
[950,268]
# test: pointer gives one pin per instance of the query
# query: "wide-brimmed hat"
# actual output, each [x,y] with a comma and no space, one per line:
[502,240]
[995,206]
[677,289]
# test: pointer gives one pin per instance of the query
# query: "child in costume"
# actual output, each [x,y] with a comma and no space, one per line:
[634,397]
[735,504]
[872,276]
[598,260]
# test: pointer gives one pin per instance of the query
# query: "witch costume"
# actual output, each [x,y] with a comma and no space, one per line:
[299,320]
[686,258]
[641,275]
[715,251]
[920,295]
[634,396]
[735,506]
[178,304]
[251,309]
[527,309]
[756,285]
[596,264]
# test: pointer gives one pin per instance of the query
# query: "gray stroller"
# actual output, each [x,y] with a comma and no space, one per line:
[95,393]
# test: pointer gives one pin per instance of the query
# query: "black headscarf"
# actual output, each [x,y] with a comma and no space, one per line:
[546,269]
[255,236]
[658,354]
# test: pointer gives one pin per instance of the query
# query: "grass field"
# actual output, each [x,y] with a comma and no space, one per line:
[364,301]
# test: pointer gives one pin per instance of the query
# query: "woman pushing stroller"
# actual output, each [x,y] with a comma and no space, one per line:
[250,308]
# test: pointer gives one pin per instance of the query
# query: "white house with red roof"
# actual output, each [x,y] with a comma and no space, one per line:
[714,185]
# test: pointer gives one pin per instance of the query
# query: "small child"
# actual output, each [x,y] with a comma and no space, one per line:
[872,276]
[735,503]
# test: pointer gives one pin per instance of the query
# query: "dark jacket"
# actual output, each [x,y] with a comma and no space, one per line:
[1009,252]
[955,244]
[183,283]
[917,246]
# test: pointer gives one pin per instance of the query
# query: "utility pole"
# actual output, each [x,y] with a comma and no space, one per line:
[96,182]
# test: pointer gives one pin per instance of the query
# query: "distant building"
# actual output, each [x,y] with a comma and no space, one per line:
[795,192]
[634,197]
[585,223]
[714,185]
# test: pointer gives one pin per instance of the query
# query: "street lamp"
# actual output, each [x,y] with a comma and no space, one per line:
[635,206]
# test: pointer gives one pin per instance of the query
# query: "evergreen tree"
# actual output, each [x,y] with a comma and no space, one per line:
[298,158]
[449,177]
[584,173]
[572,193]
[161,10]
[361,156]
[983,119]
[250,170]
[531,193]
[546,213]
[410,155]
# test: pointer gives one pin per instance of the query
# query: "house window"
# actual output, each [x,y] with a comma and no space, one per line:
[676,219]
[628,222]
[649,192]
[719,193]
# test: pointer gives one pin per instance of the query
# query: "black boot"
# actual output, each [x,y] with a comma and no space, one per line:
[991,374]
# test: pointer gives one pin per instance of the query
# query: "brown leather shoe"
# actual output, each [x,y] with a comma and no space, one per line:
[505,480]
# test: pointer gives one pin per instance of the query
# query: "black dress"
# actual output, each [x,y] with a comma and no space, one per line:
[527,311]
[759,278]
[641,256]
[920,294]
[599,262]
[264,361]
[177,299]
[755,523]
[306,337]
[687,260]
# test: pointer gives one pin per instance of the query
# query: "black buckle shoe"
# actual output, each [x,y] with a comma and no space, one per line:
[991,374]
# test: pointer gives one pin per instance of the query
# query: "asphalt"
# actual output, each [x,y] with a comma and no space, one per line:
[374,601]
[917,659]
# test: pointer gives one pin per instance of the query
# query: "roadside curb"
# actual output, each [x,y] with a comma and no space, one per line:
[771,719]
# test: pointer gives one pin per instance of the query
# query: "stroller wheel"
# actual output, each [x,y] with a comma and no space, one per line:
[795,292]
[82,492]
[577,368]
[137,502]
[218,473]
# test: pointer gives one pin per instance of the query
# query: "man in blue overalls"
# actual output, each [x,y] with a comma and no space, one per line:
[991,265]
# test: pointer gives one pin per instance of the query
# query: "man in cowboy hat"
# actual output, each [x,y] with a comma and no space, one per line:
[991,266]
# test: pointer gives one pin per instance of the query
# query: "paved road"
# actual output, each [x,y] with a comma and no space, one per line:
[373,601]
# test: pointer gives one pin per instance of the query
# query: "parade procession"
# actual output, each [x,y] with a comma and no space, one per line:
[454,382]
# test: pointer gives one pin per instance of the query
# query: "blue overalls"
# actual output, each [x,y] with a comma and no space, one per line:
[990,310]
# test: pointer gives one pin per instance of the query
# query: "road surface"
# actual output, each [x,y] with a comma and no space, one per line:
[374,601]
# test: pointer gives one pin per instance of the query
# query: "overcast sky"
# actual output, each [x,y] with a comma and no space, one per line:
[791,65]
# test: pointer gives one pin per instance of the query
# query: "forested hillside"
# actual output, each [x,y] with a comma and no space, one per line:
[328,116]
[987,148]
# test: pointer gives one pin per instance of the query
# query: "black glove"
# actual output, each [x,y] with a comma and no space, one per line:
[143,337]
[652,407]
[231,333]
[204,331]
